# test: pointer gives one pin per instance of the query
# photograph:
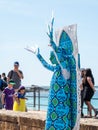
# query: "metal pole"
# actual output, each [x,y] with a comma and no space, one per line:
[34,99]
[38,99]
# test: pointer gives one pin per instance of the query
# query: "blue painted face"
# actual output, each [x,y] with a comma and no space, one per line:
[53,58]
[65,48]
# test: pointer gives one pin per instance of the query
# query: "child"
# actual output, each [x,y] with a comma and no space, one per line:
[19,103]
[7,96]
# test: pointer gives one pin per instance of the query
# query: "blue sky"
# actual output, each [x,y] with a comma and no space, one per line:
[24,22]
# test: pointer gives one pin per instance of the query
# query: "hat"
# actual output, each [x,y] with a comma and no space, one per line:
[11,82]
[16,63]
[21,88]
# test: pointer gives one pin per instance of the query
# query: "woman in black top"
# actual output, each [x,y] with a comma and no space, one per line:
[89,86]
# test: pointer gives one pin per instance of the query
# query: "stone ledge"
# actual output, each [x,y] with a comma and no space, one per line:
[35,120]
[89,124]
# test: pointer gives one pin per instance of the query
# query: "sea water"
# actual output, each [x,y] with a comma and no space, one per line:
[44,101]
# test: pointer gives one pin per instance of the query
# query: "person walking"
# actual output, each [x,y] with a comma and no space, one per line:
[16,75]
[82,88]
[90,89]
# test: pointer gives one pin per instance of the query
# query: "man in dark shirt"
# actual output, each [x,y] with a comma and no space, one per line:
[16,75]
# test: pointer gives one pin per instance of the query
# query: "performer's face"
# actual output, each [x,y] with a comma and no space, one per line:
[53,58]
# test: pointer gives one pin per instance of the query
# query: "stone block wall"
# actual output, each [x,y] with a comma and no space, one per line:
[10,120]
[35,120]
[89,124]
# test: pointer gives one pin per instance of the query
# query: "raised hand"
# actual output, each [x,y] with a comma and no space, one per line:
[33,49]
[50,35]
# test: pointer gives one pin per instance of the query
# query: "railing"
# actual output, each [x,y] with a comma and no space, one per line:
[34,94]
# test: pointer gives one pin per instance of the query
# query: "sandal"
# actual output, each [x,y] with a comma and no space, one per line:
[87,116]
[96,113]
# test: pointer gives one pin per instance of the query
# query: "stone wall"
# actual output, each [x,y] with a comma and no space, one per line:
[89,124]
[10,120]
[35,120]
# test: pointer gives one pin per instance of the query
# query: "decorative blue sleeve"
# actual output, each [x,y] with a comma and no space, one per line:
[44,63]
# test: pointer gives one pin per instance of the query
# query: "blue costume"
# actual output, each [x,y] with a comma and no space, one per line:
[62,102]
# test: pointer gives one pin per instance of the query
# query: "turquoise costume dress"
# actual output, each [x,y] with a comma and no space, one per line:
[62,103]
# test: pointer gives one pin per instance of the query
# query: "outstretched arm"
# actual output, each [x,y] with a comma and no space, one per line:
[44,63]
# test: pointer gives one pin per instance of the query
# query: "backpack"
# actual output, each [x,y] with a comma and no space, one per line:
[11,74]
[3,84]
